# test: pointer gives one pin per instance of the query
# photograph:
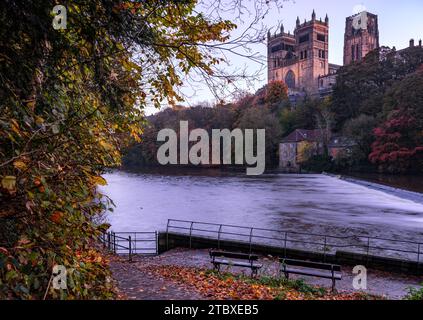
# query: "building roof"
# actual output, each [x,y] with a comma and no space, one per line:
[334,66]
[341,142]
[299,135]
[316,135]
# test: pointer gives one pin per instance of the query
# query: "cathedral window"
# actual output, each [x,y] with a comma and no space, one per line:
[290,79]
[305,38]
[276,48]
[321,37]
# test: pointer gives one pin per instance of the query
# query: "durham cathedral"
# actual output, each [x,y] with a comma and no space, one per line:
[301,59]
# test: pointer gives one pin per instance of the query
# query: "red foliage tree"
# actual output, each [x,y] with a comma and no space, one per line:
[277,91]
[395,148]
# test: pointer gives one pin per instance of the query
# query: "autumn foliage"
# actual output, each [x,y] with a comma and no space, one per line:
[398,145]
[276,92]
[70,100]
[394,148]
[228,286]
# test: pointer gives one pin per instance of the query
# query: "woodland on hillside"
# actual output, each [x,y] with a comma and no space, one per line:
[377,103]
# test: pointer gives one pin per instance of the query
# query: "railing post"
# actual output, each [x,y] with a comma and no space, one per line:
[218,237]
[114,242]
[109,241]
[418,254]
[135,243]
[103,239]
[284,247]
[251,239]
[167,234]
[130,248]
[368,249]
[156,238]
[190,235]
[324,250]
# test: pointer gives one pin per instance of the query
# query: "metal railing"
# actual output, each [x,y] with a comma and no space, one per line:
[131,243]
[326,244]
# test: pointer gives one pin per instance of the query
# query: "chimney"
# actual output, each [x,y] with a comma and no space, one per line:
[411,43]
[420,43]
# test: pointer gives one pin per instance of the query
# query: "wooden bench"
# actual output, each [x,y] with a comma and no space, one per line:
[235,259]
[308,268]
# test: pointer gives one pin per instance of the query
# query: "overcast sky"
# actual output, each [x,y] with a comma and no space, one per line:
[399,21]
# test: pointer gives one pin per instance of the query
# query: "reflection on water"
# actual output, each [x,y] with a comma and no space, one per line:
[304,203]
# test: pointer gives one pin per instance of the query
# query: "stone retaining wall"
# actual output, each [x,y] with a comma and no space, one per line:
[172,240]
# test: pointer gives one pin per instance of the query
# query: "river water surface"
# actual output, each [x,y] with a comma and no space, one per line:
[316,204]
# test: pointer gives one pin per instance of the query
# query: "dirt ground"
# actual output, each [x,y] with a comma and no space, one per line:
[136,282]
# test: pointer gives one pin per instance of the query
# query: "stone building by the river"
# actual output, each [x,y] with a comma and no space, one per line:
[289,148]
[302,144]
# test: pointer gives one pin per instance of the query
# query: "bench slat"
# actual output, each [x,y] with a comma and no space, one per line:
[237,263]
[321,274]
[234,255]
[311,264]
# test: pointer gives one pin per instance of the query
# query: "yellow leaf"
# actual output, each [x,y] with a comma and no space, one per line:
[31,104]
[99,180]
[15,127]
[107,146]
[38,120]
[9,183]
[18,164]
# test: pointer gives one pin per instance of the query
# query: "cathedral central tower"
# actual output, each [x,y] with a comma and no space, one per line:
[299,59]
[361,36]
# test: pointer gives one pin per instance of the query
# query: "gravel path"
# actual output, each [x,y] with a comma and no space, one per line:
[135,281]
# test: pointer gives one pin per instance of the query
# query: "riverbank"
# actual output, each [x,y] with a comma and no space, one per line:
[181,274]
